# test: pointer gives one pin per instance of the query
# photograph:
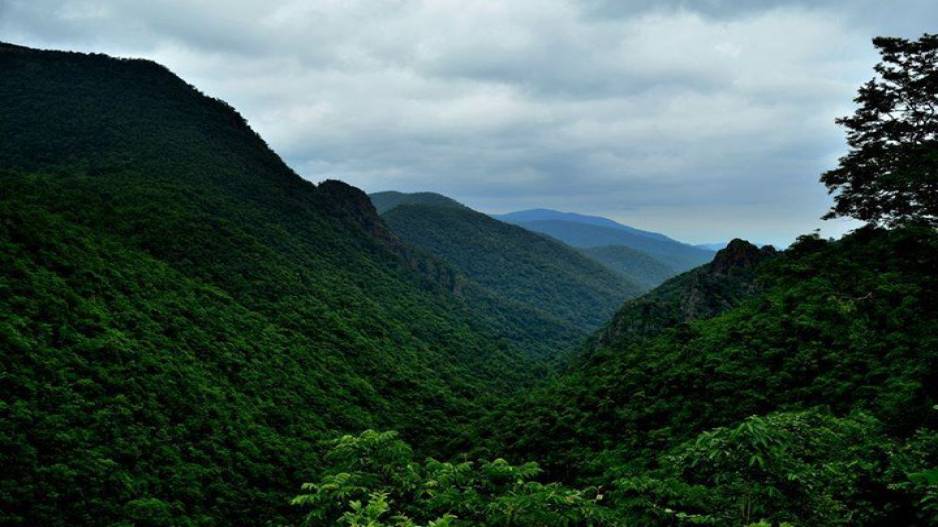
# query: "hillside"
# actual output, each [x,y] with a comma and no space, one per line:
[701,293]
[184,318]
[191,334]
[515,263]
[833,337]
[679,256]
[525,216]
[385,201]
[645,270]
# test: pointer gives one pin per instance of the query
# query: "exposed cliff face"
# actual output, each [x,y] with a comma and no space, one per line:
[700,293]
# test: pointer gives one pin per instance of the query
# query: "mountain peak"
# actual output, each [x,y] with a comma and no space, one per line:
[387,200]
[739,254]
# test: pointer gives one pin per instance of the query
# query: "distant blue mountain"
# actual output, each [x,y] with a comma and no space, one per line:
[524,216]
[586,232]
[711,246]
[720,245]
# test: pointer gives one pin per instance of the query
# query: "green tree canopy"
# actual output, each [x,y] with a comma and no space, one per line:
[890,175]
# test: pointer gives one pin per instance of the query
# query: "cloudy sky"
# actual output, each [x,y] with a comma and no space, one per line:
[702,119]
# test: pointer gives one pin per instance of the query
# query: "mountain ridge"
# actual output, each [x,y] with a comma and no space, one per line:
[678,256]
[389,199]
[143,223]
[514,262]
[528,215]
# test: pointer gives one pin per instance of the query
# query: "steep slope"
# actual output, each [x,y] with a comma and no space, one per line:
[678,256]
[697,294]
[385,201]
[514,263]
[845,326]
[183,317]
[637,266]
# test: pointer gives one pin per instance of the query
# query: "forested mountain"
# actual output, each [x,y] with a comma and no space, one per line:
[193,335]
[385,201]
[525,216]
[183,317]
[830,343]
[679,256]
[516,264]
[647,271]
[697,294]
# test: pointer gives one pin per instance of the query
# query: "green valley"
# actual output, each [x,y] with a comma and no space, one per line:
[192,334]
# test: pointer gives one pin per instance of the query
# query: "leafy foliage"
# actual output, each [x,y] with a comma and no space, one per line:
[890,174]
[804,468]
[372,479]
[847,325]
[787,468]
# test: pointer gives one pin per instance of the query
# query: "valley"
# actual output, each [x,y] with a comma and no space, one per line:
[191,334]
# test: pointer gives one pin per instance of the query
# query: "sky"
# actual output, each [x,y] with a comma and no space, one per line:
[705,120]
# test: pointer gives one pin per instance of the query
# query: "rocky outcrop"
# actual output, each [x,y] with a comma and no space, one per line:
[739,254]
[701,293]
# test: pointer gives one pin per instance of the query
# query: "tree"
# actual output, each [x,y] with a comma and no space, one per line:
[372,480]
[890,175]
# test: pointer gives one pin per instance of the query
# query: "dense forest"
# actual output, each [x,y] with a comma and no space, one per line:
[645,270]
[515,263]
[193,335]
[183,318]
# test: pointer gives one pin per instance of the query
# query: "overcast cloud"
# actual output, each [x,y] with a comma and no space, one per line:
[705,120]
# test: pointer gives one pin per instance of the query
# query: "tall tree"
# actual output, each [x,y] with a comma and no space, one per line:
[890,175]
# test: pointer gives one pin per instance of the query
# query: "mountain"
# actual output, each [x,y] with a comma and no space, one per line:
[190,331]
[645,270]
[720,245]
[701,293]
[514,263]
[588,231]
[711,246]
[385,201]
[525,216]
[747,376]
[184,318]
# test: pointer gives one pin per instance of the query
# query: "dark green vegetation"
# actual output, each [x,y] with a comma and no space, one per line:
[890,175]
[182,317]
[646,271]
[373,478]
[836,335]
[678,256]
[385,201]
[550,277]
[765,389]
[188,329]
[809,400]
[700,293]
